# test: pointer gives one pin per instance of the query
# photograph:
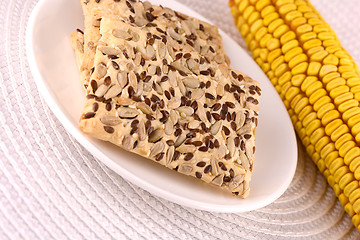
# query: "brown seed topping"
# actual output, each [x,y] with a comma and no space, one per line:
[203,149]
[207,169]
[216,143]
[109,129]
[176,155]
[210,96]
[227,179]
[247,136]
[216,106]
[159,156]
[197,143]
[95,106]
[188,156]
[233,126]
[230,104]
[226,130]
[89,115]
[198,175]
[94,85]
[108,107]
[201,164]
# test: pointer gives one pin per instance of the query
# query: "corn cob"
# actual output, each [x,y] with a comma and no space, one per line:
[318,82]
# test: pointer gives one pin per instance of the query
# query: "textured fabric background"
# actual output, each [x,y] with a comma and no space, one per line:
[52,188]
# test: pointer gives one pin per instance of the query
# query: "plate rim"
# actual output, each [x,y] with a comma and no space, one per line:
[100,155]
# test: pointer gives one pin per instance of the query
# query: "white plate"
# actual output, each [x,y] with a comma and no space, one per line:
[53,65]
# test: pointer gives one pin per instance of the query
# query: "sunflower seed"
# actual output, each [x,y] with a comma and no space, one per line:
[194,124]
[142,131]
[128,142]
[101,70]
[244,129]
[135,36]
[113,92]
[193,66]
[174,103]
[197,94]
[218,180]
[186,148]
[249,149]
[162,50]
[191,82]
[174,116]
[214,129]
[172,79]
[180,140]
[240,119]
[133,80]
[156,149]
[185,169]
[169,127]
[188,111]
[180,67]
[119,33]
[140,89]
[231,146]
[170,154]
[137,59]
[252,106]
[201,113]
[109,51]
[185,28]
[124,101]
[128,113]
[236,181]
[174,34]
[156,135]
[244,160]
[101,90]
[144,108]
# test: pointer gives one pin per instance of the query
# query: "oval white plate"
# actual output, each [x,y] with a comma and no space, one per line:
[53,65]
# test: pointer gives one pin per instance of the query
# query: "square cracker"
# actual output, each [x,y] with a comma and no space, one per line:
[190,33]
[175,107]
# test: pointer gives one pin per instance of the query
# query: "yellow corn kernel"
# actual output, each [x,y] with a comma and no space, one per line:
[292,53]
[313,87]
[321,102]
[304,8]
[297,22]
[242,5]
[307,37]
[343,98]
[291,93]
[295,100]
[351,154]
[326,151]
[297,80]
[354,164]
[350,113]
[288,36]
[320,164]
[357,173]
[247,12]
[330,76]
[304,112]
[281,69]
[340,172]
[284,9]
[325,69]
[317,95]
[316,135]
[280,31]
[264,41]
[267,10]
[304,29]
[301,104]
[351,74]
[342,198]
[354,195]
[330,158]
[345,61]
[260,33]
[244,29]
[290,16]
[356,220]
[309,118]
[332,126]
[316,159]
[312,43]
[340,131]
[350,187]
[310,15]
[356,206]
[297,60]
[346,147]
[315,21]
[254,16]
[319,56]
[261,4]
[289,45]
[273,43]
[332,49]
[270,18]
[335,83]
[256,26]
[300,68]
[331,59]
[307,82]
[314,68]
[277,62]
[321,28]
[326,36]
[284,78]
[315,124]
[352,82]
[330,42]
[280,3]
[322,142]
[330,116]
[349,209]
[275,24]
[273,55]
[338,91]
[324,109]
[347,105]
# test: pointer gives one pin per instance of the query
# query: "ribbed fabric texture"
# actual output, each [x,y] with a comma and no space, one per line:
[52,188]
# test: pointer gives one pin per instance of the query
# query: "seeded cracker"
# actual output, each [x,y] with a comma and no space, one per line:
[190,33]
[145,98]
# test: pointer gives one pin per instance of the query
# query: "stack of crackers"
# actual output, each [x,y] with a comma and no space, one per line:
[158,83]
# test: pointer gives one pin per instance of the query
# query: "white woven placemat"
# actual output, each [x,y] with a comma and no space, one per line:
[52,188]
